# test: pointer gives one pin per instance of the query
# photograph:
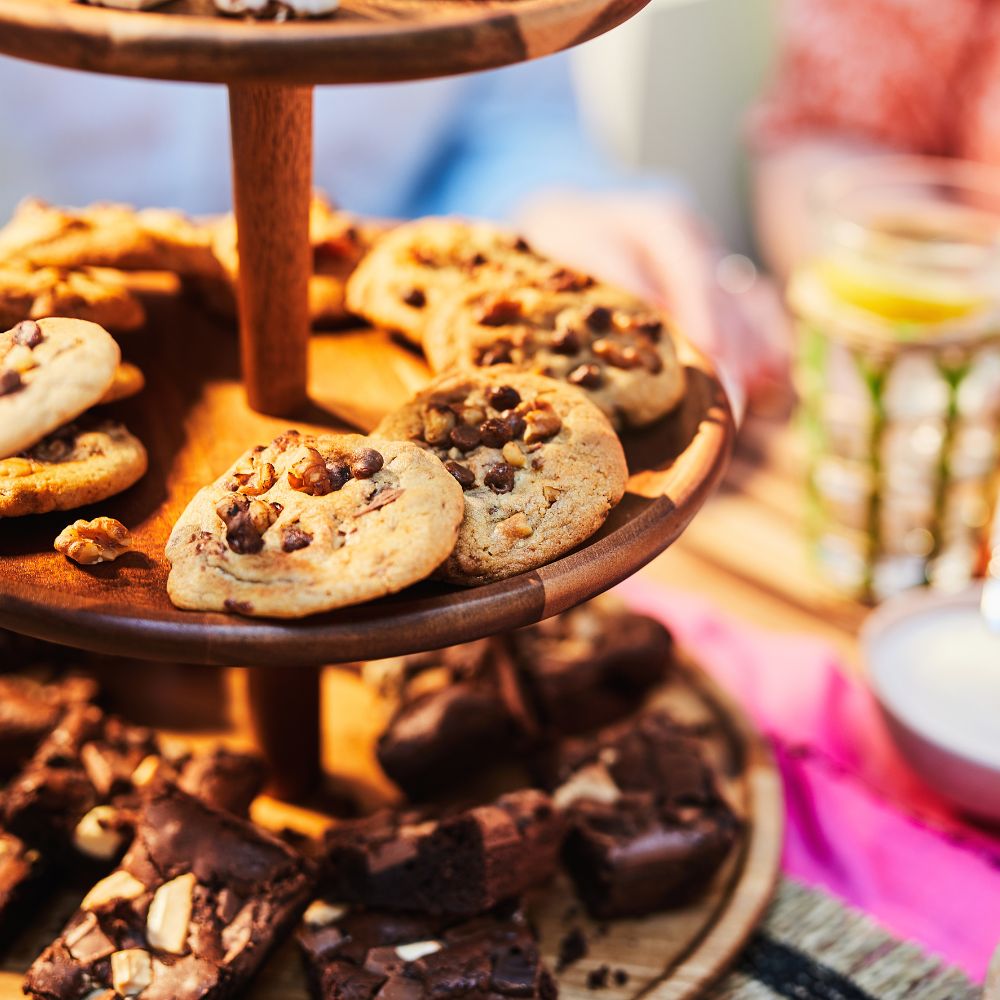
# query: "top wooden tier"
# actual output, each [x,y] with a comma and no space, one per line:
[366,41]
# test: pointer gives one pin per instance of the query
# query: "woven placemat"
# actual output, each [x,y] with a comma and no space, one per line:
[812,947]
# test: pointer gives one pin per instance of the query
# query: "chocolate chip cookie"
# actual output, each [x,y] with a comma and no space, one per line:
[540,466]
[418,267]
[107,235]
[97,294]
[307,524]
[50,372]
[602,340]
[77,465]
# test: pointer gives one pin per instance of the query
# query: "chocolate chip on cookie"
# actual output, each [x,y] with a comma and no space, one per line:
[365,462]
[462,473]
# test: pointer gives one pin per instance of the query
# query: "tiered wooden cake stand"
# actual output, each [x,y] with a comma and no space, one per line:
[195,416]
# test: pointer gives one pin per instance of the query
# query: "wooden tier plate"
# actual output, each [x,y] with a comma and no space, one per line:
[668,956]
[366,41]
[194,421]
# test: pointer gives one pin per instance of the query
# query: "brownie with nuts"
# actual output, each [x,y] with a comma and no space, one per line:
[591,666]
[360,955]
[461,863]
[29,710]
[648,826]
[192,911]
[458,716]
[76,792]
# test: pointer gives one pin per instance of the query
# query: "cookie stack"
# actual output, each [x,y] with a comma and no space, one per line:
[56,451]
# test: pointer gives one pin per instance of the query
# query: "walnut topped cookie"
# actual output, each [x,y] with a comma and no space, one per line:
[540,465]
[603,340]
[416,268]
[50,372]
[78,464]
[311,523]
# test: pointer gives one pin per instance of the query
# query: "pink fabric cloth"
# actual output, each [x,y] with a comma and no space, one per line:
[859,823]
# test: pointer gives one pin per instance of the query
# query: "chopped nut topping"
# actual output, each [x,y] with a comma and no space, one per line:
[131,971]
[516,526]
[417,949]
[499,478]
[416,298]
[147,770]
[28,334]
[588,376]
[97,834]
[365,462]
[503,397]
[20,359]
[294,538]
[320,913]
[10,381]
[246,520]
[615,354]
[312,474]
[259,478]
[500,312]
[438,422]
[118,885]
[495,432]
[551,494]
[541,424]
[169,915]
[513,455]
[464,437]
[465,476]
[592,782]
[90,542]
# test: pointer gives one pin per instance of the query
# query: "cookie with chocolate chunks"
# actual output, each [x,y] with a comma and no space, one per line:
[363,954]
[606,342]
[540,466]
[421,266]
[310,523]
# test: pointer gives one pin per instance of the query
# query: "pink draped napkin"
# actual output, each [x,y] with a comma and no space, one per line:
[860,824]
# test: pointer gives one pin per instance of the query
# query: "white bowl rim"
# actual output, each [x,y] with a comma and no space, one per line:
[887,616]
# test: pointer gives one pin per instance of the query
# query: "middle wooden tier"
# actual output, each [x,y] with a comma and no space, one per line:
[194,420]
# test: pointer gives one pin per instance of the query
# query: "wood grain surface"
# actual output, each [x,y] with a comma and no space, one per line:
[667,956]
[366,41]
[194,421]
[272,184]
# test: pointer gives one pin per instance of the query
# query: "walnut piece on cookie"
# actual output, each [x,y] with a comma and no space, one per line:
[414,269]
[540,466]
[50,372]
[311,523]
[603,340]
[78,464]
[90,542]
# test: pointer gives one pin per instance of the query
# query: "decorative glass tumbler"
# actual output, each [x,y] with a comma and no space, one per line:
[899,371]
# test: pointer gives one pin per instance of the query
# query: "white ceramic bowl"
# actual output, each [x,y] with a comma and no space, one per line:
[934,667]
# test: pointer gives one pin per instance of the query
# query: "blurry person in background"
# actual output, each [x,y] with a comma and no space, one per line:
[861,77]
[506,144]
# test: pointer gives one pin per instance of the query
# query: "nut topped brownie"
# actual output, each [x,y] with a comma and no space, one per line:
[463,711]
[194,908]
[461,863]
[647,823]
[361,955]
[592,665]
[30,709]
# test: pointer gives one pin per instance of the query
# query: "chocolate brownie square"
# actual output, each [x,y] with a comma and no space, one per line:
[367,954]
[647,823]
[591,666]
[462,863]
[29,710]
[190,914]
[458,716]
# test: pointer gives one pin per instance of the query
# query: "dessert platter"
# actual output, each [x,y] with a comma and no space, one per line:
[291,437]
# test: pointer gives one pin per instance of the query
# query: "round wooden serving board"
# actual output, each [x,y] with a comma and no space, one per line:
[668,956]
[365,41]
[194,421]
